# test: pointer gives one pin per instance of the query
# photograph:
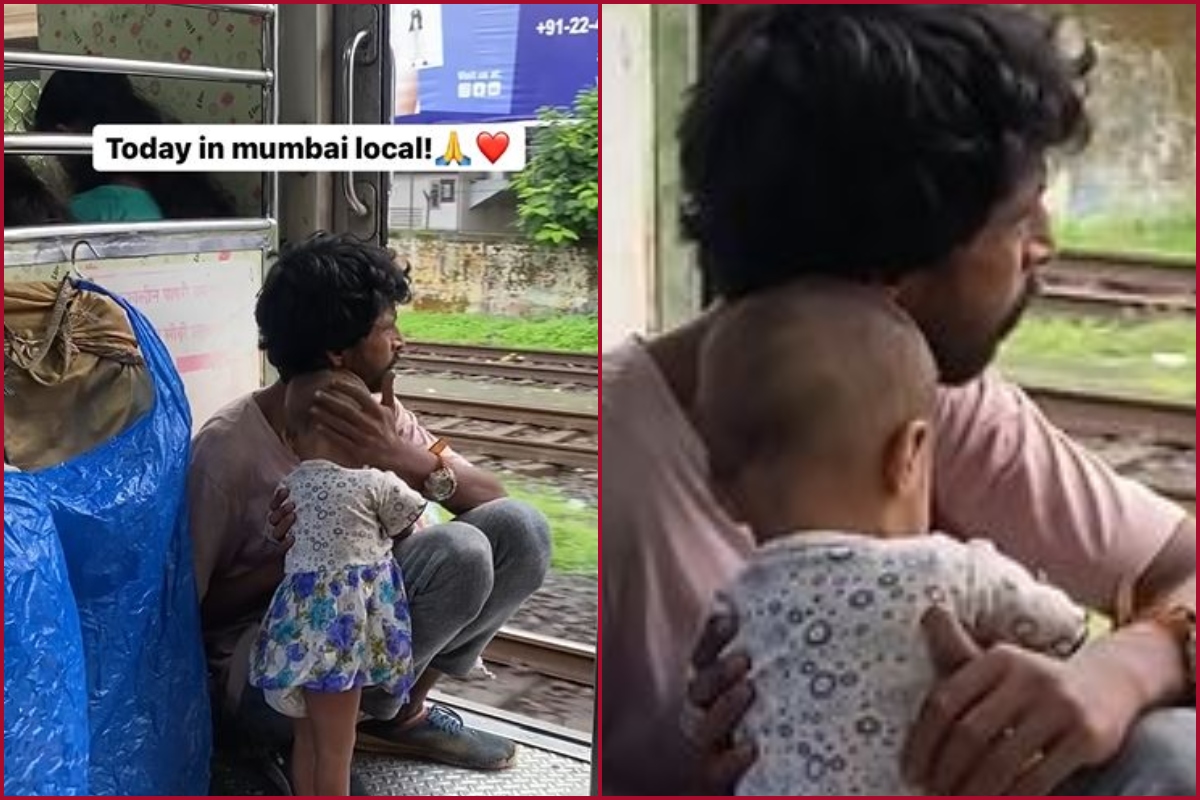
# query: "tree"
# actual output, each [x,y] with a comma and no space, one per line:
[558,193]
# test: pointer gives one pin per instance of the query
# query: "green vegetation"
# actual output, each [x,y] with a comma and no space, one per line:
[1168,234]
[1153,357]
[558,192]
[573,525]
[571,333]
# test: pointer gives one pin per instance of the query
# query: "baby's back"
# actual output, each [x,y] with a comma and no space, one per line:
[831,625]
[336,520]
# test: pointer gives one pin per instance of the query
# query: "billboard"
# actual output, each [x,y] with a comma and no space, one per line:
[490,62]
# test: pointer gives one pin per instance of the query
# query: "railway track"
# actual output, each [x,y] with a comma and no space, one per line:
[545,655]
[1116,285]
[1083,414]
[502,430]
[542,366]
[1162,424]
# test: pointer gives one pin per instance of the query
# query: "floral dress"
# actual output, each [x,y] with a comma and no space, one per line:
[340,618]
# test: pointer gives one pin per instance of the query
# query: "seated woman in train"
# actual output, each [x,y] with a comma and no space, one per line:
[75,102]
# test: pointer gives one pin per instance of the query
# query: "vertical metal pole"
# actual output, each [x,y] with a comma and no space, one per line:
[271,108]
[270,183]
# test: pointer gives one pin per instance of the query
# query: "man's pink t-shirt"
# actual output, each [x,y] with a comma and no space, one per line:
[1002,472]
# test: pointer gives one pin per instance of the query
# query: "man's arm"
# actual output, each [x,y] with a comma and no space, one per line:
[370,430]
[1008,721]
[1146,651]
[1004,472]
[1171,577]
[413,464]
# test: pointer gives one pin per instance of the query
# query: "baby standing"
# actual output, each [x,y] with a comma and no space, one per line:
[339,621]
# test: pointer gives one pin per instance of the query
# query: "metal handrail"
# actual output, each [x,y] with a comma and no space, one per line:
[271,103]
[264,9]
[80,231]
[348,56]
[47,144]
[133,66]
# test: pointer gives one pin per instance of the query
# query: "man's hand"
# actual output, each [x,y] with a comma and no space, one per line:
[365,430]
[281,519]
[718,695]
[1008,721]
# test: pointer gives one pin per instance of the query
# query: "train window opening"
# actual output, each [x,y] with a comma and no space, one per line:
[145,68]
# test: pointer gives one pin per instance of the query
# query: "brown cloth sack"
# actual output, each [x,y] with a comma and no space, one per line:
[73,374]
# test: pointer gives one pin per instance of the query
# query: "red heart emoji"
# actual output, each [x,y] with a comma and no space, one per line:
[492,145]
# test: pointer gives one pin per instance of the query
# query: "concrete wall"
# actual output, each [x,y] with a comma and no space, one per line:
[1142,158]
[498,274]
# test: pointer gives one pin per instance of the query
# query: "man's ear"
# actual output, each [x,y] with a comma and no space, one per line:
[337,358]
[906,457]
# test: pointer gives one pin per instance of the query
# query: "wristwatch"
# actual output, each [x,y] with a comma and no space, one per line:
[441,483]
[1180,622]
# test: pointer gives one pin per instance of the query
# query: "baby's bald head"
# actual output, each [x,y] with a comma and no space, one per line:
[824,373]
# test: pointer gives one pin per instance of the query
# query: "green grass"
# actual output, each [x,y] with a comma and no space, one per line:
[1169,234]
[570,333]
[1155,358]
[573,525]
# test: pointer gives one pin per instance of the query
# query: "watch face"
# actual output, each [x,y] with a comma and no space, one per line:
[440,484]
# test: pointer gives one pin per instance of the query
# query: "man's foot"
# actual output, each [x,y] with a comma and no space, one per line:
[276,767]
[438,735]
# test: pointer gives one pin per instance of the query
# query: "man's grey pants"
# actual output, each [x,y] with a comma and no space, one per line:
[464,579]
[1157,760]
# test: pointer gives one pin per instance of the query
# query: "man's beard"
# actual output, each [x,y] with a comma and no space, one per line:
[1032,289]
[962,365]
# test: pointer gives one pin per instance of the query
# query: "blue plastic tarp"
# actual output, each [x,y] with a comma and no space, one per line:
[45,732]
[121,517]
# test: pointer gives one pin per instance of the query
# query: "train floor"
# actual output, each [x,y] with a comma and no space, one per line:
[550,761]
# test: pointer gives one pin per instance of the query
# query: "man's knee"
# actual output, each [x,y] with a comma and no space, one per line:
[1158,759]
[1161,749]
[452,560]
[520,533]
[468,555]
